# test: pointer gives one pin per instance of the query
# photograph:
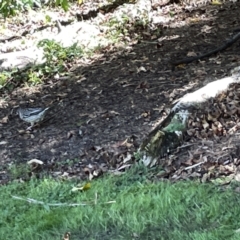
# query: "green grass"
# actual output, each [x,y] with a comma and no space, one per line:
[162,210]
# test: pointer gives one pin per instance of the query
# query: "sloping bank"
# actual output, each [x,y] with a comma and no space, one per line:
[168,135]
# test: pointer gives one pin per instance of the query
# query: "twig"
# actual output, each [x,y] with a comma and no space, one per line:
[187,145]
[195,165]
[216,50]
[31,200]
[59,26]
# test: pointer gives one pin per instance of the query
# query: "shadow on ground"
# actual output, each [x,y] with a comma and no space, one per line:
[114,102]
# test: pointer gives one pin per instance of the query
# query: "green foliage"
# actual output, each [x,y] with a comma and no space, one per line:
[4,76]
[57,56]
[123,27]
[34,77]
[20,171]
[57,61]
[63,3]
[12,7]
[137,155]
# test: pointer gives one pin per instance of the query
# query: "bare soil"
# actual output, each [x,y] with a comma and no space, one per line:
[99,117]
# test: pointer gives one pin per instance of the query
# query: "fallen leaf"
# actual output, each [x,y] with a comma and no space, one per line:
[86,186]
[66,236]
[4,120]
[83,188]
[216,2]
[191,54]
[206,29]
[237,177]
[141,69]
[127,158]
[97,172]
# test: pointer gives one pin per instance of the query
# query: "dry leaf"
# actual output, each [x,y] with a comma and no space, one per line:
[66,236]
[86,186]
[83,188]
[191,54]
[97,172]
[206,29]
[4,120]
[141,69]
[127,158]
[216,2]
[90,176]
[237,177]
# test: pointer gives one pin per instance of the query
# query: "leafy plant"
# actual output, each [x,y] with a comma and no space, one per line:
[63,3]
[34,77]
[57,56]
[4,76]
[57,60]
[12,7]
[6,79]
[19,171]
[137,155]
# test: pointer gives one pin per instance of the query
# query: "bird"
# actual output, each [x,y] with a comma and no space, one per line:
[32,115]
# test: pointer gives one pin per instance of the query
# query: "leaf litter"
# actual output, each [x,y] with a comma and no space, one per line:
[102,120]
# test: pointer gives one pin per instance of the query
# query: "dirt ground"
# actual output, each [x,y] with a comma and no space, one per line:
[96,122]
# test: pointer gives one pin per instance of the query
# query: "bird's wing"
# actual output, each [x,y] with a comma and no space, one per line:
[33,111]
